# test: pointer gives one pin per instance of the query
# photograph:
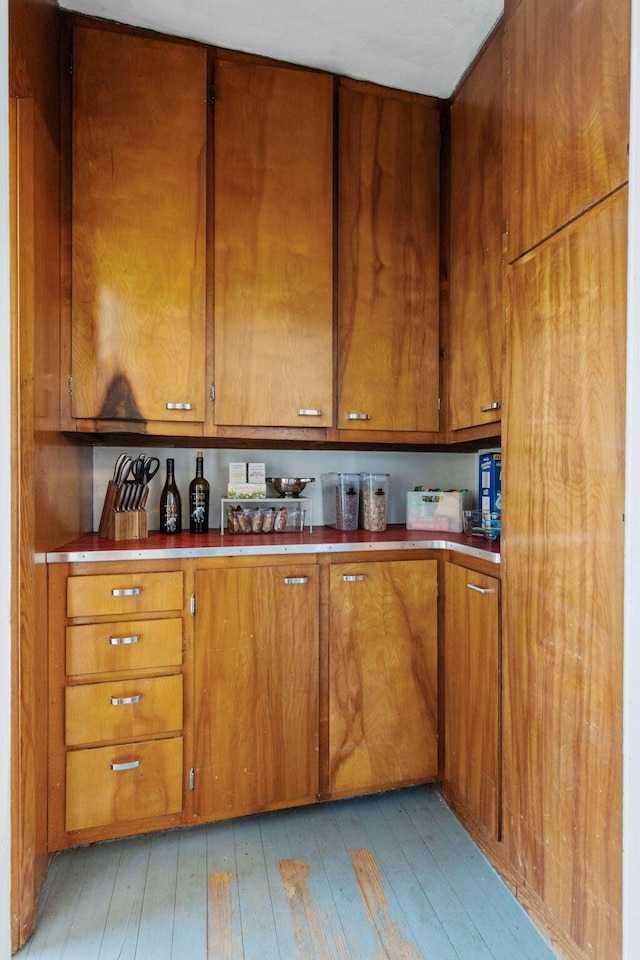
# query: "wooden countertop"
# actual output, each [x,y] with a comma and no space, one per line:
[157,546]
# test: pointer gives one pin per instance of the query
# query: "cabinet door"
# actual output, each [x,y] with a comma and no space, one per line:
[383,716]
[388,272]
[567,112]
[138,284]
[273,246]
[256,689]
[563,545]
[472,693]
[476,298]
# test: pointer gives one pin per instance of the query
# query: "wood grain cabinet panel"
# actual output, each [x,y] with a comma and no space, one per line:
[273,246]
[123,645]
[388,261]
[472,694]
[256,714]
[567,112]
[129,783]
[124,593]
[122,709]
[563,547]
[138,227]
[476,310]
[383,702]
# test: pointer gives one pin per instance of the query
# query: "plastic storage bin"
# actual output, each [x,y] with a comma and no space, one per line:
[436,510]
[374,497]
[341,497]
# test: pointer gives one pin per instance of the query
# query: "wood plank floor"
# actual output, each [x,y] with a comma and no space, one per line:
[386,877]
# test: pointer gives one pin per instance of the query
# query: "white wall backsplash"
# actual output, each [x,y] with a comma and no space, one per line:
[406,470]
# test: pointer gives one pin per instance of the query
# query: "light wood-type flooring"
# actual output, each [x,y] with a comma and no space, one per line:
[387,877]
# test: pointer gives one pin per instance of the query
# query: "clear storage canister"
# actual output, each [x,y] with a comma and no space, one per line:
[341,494]
[374,496]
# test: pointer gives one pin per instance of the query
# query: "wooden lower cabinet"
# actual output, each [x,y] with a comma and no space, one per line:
[223,687]
[134,781]
[383,703]
[116,700]
[256,701]
[472,696]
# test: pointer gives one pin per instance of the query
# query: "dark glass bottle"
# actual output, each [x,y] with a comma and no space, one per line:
[170,506]
[199,500]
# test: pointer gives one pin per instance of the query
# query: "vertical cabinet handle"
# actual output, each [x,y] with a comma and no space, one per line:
[477,589]
[495,405]
[179,406]
[290,580]
[123,641]
[127,592]
[130,765]
[124,701]
[358,416]
[353,578]
[309,413]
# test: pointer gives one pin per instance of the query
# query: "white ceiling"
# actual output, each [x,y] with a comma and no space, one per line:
[419,45]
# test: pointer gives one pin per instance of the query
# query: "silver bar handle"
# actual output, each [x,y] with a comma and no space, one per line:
[126,592]
[309,413]
[477,589]
[124,701]
[495,405]
[353,578]
[131,765]
[179,406]
[123,641]
[290,580]
[358,416]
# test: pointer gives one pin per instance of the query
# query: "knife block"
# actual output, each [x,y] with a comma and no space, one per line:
[121,524]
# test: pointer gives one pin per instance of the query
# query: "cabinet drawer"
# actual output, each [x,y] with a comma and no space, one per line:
[95,712]
[125,645]
[121,783]
[124,593]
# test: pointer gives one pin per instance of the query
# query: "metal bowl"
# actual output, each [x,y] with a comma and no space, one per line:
[289,486]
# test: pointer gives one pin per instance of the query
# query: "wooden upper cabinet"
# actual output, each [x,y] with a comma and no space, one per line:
[273,246]
[566,112]
[476,327]
[388,267]
[138,227]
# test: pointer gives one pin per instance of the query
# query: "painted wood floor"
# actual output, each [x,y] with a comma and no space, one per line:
[386,877]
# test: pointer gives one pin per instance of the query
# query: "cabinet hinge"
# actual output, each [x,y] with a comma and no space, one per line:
[70,65]
[212,393]
[193,605]
[212,93]
[70,384]
[192,779]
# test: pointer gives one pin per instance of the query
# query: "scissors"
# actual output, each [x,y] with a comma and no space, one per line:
[142,469]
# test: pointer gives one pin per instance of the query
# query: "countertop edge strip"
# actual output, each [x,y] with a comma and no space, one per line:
[256,550]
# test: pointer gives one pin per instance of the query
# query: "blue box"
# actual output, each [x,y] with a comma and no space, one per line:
[490,482]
